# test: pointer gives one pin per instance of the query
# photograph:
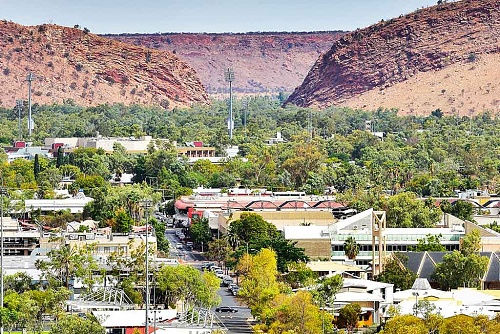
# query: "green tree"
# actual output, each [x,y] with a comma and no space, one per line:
[405,210]
[300,275]
[458,270]
[431,243]
[396,272]
[259,284]
[460,209]
[162,243]
[461,324]
[251,231]
[295,313]
[199,231]
[189,285]
[327,289]
[351,248]
[60,157]
[471,243]
[66,262]
[49,301]
[348,317]
[19,282]
[286,252]
[218,250]
[36,167]
[405,324]
[73,324]
[123,222]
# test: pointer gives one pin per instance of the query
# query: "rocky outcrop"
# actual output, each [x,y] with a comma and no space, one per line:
[380,58]
[73,65]
[263,62]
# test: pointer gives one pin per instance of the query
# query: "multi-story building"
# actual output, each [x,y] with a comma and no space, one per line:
[396,239]
[18,239]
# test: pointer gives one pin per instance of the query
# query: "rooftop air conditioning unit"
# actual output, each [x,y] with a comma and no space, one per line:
[355,227]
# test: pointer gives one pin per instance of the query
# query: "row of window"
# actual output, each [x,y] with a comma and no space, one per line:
[363,249]
[395,237]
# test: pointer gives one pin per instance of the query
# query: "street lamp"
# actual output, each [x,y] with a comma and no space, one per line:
[229,76]
[415,293]
[146,205]
[2,192]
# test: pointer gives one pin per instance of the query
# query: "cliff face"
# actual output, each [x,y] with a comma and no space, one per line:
[445,56]
[71,64]
[262,62]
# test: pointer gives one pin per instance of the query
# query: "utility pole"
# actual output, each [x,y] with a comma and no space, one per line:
[30,78]
[229,76]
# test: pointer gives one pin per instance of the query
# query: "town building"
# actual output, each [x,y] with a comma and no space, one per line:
[19,239]
[471,302]
[73,204]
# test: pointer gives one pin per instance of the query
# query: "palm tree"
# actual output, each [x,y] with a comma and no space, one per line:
[351,248]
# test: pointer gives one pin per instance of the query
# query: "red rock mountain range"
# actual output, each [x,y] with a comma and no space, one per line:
[73,65]
[263,62]
[445,56]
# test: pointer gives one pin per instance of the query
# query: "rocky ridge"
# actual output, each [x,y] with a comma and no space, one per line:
[263,62]
[73,65]
[398,63]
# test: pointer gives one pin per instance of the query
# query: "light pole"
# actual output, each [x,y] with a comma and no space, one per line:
[146,205]
[2,191]
[415,293]
[229,76]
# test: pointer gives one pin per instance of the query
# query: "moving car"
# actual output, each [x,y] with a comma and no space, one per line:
[226,309]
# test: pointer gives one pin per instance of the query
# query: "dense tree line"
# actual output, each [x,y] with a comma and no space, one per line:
[430,155]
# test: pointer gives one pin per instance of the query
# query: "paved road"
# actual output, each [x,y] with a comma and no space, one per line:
[236,323]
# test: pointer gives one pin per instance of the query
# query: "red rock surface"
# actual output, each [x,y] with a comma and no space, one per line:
[71,64]
[263,62]
[375,65]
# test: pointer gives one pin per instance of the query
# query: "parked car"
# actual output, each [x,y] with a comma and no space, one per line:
[178,246]
[227,280]
[215,268]
[226,309]
[232,286]
[219,273]
[207,265]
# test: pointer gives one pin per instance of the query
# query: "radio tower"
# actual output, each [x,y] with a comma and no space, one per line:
[229,76]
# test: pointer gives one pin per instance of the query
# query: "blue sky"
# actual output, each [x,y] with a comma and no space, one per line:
[147,16]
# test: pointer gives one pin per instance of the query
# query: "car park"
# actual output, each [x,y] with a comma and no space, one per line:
[226,309]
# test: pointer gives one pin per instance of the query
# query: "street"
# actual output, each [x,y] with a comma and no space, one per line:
[236,323]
